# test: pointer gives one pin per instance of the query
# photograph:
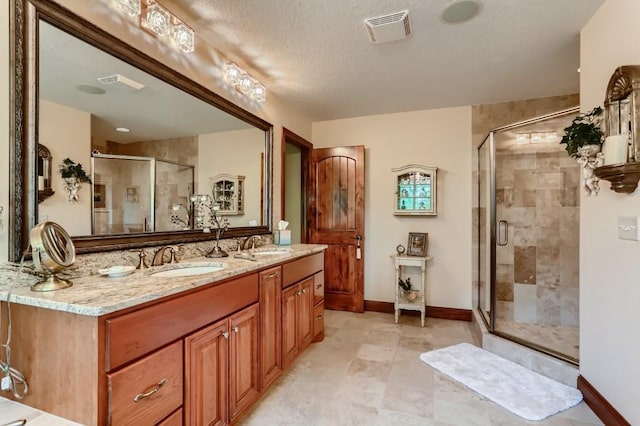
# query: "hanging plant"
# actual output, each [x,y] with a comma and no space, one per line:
[71,169]
[584,130]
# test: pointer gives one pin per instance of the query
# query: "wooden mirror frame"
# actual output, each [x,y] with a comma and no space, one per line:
[24,16]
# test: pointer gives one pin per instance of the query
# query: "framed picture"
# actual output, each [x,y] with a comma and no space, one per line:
[132,194]
[418,243]
[99,196]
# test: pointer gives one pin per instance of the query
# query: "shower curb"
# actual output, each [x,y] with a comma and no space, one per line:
[546,365]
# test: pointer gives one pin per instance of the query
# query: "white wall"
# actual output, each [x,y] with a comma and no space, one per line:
[610,283]
[4,135]
[435,137]
[67,134]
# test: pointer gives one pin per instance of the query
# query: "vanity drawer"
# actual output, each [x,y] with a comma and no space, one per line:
[174,419]
[318,287]
[318,322]
[299,269]
[155,382]
[137,333]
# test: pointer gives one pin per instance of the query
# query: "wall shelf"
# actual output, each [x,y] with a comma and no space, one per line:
[623,177]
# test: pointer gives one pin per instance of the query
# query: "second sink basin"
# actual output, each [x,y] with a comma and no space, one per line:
[189,269]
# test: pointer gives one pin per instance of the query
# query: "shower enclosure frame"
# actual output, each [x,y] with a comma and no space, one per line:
[490,318]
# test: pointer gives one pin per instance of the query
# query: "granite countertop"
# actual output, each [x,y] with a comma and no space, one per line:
[11,411]
[96,295]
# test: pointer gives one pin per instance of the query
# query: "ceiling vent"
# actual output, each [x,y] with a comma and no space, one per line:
[392,27]
[120,80]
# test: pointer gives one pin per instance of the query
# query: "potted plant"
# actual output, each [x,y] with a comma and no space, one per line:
[73,175]
[583,137]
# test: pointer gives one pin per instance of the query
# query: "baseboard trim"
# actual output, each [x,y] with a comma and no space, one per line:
[599,405]
[432,311]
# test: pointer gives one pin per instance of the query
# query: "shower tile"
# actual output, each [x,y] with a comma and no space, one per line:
[525,303]
[547,235]
[525,179]
[525,264]
[550,180]
[504,282]
[504,197]
[504,255]
[547,161]
[569,265]
[524,235]
[570,306]
[524,197]
[548,305]
[548,265]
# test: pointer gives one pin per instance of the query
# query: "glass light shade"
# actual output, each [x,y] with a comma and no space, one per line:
[245,84]
[183,36]
[259,92]
[128,7]
[156,19]
[232,73]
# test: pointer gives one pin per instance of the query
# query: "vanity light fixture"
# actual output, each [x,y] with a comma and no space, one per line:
[244,83]
[182,35]
[159,21]
[122,130]
[155,19]
[128,7]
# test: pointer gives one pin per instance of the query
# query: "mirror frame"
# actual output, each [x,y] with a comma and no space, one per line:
[24,16]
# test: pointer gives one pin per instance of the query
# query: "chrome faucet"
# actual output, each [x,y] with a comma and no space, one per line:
[253,239]
[158,258]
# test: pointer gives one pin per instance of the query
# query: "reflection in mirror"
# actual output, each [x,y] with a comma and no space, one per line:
[157,145]
[44,173]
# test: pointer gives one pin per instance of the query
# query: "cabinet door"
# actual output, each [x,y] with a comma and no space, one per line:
[305,313]
[270,323]
[243,359]
[289,324]
[206,376]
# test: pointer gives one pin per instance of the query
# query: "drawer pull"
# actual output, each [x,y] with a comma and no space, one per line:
[319,317]
[275,274]
[235,329]
[225,334]
[304,291]
[319,286]
[144,395]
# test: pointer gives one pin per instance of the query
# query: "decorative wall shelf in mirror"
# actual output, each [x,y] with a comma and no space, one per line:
[622,117]
[187,131]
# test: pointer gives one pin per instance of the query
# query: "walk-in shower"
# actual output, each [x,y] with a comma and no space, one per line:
[527,225]
[134,194]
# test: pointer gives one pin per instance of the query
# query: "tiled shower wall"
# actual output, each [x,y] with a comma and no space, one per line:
[537,194]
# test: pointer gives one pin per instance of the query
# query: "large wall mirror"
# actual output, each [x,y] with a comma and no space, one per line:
[76,89]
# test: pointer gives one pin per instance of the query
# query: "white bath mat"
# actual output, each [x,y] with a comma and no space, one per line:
[523,392]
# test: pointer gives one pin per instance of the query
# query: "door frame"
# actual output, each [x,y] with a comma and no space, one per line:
[289,137]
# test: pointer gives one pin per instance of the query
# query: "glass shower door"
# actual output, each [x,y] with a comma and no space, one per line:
[122,194]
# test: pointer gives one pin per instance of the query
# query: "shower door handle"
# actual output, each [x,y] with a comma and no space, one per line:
[503,237]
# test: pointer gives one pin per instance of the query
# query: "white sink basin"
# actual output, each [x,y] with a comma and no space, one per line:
[188,270]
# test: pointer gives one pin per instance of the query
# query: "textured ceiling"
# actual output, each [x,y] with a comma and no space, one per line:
[316,55]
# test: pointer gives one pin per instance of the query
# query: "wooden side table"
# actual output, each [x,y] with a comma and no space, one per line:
[402,300]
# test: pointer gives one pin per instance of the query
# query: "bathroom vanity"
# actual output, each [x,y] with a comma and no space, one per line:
[186,350]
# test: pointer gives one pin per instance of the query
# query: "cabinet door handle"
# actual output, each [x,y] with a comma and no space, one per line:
[319,317]
[225,334]
[319,286]
[147,394]
[304,291]
[235,329]
[298,293]
[275,274]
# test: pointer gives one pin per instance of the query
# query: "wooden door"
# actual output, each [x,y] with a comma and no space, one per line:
[270,325]
[206,362]
[243,359]
[336,218]
[289,324]
[305,313]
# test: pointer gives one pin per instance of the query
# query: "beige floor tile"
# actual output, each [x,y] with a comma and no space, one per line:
[367,371]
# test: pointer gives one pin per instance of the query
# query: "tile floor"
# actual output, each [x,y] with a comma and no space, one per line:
[367,372]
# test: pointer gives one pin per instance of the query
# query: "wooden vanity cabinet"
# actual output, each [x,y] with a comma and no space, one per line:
[318,307]
[213,373]
[270,325]
[221,369]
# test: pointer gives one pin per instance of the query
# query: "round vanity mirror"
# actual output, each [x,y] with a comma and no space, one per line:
[53,251]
